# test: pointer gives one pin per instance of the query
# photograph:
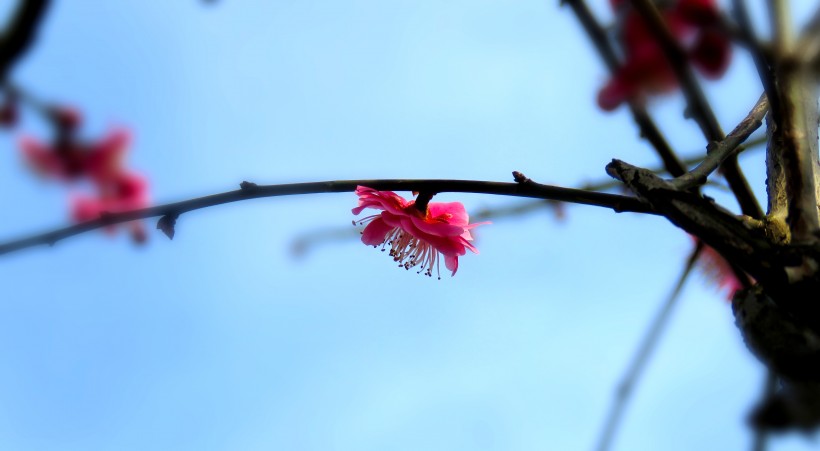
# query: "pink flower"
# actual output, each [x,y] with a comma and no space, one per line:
[416,238]
[101,163]
[717,270]
[127,191]
[71,160]
[646,69]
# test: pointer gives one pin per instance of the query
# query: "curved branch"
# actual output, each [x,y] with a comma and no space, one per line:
[303,242]
[170,212]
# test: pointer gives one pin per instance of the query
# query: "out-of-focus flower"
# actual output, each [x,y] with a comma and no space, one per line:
[73,160]
[415,237]
[101,163]
[126,191]
[717,270]
[646,70]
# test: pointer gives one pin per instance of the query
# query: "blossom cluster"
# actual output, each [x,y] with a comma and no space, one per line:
[100,164]
[646,69]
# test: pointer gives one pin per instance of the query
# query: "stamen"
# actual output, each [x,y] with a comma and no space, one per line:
[409,252]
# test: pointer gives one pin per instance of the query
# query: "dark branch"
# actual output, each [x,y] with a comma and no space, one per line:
[20,34]
[303,242]
[718,152]
[251,191]
[698,105]
[762,62]
[739,241]
[647,127]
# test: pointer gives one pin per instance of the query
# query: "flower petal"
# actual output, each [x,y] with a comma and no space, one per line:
[438,228]
[375,232]
[454,211]
[451,262]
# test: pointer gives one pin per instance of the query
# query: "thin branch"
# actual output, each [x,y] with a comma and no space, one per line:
[808,45]
[21,33]
[698,105]
[781,28]
[737,182]
[762,62]
[646,125]
[248,191]
[641,358]
[718,152]
[303,242]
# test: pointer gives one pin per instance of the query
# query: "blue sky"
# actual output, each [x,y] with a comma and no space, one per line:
[222,340]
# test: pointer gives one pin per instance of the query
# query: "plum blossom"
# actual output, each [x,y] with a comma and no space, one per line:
[123,192]
[72,160]
[100,163]
[646,70]
[415,237]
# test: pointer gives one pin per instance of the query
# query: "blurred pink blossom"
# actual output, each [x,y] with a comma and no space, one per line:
[101,163]
[717,270]
[646,70]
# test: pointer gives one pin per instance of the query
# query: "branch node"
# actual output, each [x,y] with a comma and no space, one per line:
[245,185]
[167,223]
[520,178]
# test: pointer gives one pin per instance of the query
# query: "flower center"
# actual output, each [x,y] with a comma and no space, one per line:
[407,250]
[410,252]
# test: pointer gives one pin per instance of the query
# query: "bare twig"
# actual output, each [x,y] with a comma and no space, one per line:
[698,105]
[718,152]
[303,242]
[252,191]
[781,28]
[762,62]
[808,45]
[646,125]
[639,361]
[20,33]
[731,170]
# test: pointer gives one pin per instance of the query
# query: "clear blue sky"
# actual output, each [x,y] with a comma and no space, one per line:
[222,340]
